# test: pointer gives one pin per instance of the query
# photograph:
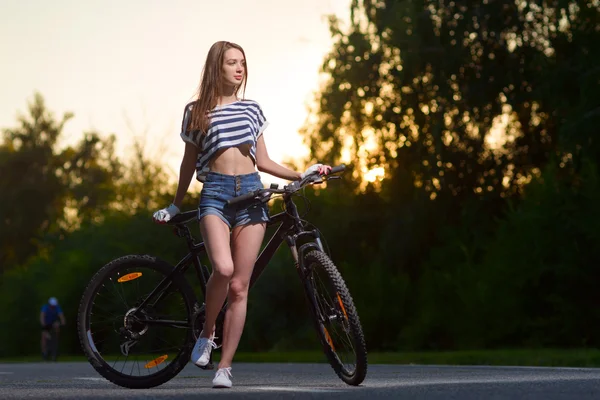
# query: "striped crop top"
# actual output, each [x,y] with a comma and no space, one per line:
[231,125]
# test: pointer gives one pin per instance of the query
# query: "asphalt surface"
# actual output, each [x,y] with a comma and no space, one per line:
[309,381]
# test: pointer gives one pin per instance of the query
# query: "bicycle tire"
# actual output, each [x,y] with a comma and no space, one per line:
[343,307]
[83,322]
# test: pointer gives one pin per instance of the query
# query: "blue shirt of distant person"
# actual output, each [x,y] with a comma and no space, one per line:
[50,313]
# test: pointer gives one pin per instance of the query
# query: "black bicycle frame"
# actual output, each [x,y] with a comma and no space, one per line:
[289,230]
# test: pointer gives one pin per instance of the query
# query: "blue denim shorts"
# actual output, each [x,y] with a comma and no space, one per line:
[218,188]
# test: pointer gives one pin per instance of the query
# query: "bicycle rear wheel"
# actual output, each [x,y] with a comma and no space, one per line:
[336,319]
[130,346]
[53,345]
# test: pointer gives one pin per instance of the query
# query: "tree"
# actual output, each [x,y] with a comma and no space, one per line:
[46,190]
[462,104]
[430,87]
[33,195]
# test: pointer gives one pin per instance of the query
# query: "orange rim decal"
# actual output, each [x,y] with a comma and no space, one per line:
[129,277]
[156,362]
[328,338]
[342,305]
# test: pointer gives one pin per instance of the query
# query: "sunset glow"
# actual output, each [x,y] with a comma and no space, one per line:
[375,174]
[130,67]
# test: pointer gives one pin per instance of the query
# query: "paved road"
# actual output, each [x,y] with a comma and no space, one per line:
[309,381]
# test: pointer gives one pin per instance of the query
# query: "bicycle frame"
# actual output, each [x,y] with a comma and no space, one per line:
[289,230]
[331,306]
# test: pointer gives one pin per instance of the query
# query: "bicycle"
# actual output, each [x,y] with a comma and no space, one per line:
[158,324]
[51,340]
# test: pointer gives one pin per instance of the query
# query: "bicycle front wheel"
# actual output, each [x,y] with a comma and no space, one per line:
[335,317]
[129,344]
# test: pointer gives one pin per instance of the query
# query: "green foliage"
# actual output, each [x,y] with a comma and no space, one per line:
[32,192]
[65,212]
[551,241]
[66,271]
[47,190]
[477,256]
[278,317]
[57,190]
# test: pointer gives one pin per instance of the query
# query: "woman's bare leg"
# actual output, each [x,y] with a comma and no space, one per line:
[245,245]
[215,233]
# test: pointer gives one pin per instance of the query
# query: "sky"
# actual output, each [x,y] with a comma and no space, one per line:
[129,67]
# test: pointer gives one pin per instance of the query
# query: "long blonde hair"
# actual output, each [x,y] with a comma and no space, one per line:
[208,91]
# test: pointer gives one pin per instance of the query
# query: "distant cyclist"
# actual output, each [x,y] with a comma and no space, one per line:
[51,317]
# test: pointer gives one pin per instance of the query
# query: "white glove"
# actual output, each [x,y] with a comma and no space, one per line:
[163,216]
[316,169]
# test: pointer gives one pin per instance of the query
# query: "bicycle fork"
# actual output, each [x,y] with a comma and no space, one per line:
[303,270]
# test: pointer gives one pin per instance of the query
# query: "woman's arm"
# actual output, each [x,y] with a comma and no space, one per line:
[265,164]
[186,172]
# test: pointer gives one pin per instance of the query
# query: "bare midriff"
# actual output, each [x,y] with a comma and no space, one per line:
[233,161]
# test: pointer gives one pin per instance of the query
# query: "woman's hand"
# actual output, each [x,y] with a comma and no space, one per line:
[163,216]
[316,168]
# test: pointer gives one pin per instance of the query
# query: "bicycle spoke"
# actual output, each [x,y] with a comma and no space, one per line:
[119,293]
[111,320]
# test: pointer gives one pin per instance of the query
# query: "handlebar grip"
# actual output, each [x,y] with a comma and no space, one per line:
[244,197]
[337,168]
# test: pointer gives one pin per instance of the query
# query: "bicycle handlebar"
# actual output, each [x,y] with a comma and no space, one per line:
[264,195]
[243,198]
[337,168]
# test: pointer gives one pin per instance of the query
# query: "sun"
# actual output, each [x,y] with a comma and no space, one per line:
[374,174]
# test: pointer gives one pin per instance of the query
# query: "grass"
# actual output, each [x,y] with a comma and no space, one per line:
[513,357]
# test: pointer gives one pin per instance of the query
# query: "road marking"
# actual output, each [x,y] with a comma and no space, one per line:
[294,389]
[5,373]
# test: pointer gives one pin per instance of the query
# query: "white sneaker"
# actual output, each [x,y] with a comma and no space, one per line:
[201,352]
[222,378]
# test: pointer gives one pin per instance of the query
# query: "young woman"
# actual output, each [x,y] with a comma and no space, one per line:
[224,145]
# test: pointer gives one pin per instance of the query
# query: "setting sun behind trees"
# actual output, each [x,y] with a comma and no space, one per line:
[439,106]
[133,80]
